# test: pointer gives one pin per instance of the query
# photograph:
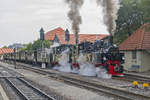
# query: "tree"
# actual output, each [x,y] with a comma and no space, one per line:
[4,47]
[24,48]
[29,47]
[47,43]
[38,44]
[132,14]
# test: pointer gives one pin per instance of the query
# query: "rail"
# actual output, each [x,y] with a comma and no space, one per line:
[120,93]
[26,91]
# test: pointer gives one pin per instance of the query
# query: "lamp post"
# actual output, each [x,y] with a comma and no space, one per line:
[67,38]
[76,41]
[43,51]
[14,57]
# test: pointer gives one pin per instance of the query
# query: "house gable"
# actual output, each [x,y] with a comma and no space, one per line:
[137,50]
[140,40]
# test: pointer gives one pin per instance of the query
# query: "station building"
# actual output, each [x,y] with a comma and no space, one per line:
[5,51]
[137,50]
[59,35]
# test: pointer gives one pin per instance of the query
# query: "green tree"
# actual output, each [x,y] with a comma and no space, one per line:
[132,14]
[144,5]
[29,47]
[24,48]
[38,44]
[4,47]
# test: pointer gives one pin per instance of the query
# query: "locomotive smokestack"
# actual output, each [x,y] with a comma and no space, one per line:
[110,10]
[111,40]
[67,35]
[77,38]
[74,16]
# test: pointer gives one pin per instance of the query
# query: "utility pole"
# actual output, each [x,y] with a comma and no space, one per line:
[76,41]
[67,38]
[15,57]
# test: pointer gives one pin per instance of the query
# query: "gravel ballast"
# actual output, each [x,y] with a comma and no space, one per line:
[60,90]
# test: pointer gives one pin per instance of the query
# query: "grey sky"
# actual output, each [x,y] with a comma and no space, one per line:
[21,20]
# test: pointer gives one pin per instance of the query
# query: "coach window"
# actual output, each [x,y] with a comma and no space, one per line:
[134,54]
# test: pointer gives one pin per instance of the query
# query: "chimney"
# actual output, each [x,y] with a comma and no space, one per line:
[67,35]
[111,40]
[41,34]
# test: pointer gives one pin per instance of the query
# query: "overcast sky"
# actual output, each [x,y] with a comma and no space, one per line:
[21,20]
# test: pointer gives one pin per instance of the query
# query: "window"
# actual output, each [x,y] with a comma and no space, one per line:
[134,54]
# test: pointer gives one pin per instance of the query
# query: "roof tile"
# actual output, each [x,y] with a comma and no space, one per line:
[6,50]
[82,37]
[139,40]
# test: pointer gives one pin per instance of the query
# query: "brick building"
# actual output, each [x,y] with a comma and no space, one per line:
[59,35]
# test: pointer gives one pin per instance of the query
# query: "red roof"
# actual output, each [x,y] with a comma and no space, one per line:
[140,40]
[82,37]
[6,50]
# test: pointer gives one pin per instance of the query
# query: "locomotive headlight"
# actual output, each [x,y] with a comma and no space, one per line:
[123,58]
[104,58]
[106,50]
[115,45]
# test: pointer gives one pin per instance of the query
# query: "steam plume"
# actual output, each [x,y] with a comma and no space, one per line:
[74,15]
[110,9]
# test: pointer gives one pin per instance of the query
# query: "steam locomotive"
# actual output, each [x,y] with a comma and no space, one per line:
[100,53]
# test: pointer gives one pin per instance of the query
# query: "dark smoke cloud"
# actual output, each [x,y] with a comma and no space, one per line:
[74,15]
[110,10]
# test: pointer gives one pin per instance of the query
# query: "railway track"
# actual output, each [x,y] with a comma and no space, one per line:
[25,90]
[132,77]
[137,77]
[127,77]
[93,86]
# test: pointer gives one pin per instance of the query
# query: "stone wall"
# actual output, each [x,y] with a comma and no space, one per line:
[129,61]
[145,61]
[142,60]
